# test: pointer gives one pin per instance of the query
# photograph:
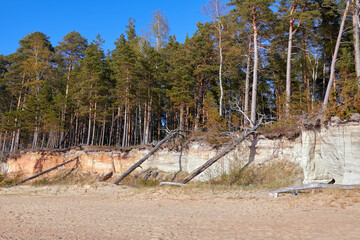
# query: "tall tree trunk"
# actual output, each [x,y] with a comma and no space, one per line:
[255,74]
[35,138]
[123,144]
[199,106]
[159,119]
[181,117]
[76,129]
[93,140]
[12,142]
[4,142]
[247,80]
[324,78]
[306,79]
[147,121]
[187,124]
[111,128]
[17,140]
[220,28]
[89,127]
[356,23]
[288,68]
[333,62]
[63,115]
[140,123]
[103,133]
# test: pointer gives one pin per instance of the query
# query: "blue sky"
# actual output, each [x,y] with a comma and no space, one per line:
[107,17]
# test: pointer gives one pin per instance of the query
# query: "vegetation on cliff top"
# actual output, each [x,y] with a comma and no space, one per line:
[275,58]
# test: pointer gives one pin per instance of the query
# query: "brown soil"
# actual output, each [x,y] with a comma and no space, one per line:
[105,211]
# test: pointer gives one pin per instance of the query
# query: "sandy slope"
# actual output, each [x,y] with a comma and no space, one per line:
[113,212]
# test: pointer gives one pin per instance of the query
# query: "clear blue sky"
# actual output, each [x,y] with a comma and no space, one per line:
[108,17]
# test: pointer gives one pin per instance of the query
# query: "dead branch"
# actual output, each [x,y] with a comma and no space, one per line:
[296,189]
[138,163]
[172,184]
[221,154]
[46,171]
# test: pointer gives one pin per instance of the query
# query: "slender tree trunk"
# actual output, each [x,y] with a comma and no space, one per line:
[111,128]
[199,106]
[333,62]
[136,122]
[93,140]
[306,79]
[255,74]
[76,129]
[247,80]
[12,142]
[4,142]
[140,123]
[42,141]
[356,23]
[324,77]
[49,139]
[128,128]
[147,121]
[181,120]
[35,138]
[125,133]
[159,119]
[89,127]
[103,133]
[220,28]
[288,68]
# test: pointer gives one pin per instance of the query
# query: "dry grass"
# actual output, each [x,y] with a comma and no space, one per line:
[271,175]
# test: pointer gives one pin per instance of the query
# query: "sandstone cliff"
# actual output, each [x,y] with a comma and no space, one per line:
[330,151]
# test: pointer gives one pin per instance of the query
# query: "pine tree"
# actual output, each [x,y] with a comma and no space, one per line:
[91,91]
[123,64]
[72,49]
[257,15]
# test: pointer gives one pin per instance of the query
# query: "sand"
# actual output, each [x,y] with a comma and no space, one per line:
[105,211]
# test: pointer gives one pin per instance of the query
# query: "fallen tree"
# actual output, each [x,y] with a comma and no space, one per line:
[214,159]
[170,135]
[296,189]
[42,173]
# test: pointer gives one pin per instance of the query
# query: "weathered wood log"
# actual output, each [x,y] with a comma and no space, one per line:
[172,184]
[212,160]
[105,177]
[42,173]
[296,189]
[138,163]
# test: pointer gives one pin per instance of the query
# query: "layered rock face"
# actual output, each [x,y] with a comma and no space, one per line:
[332,151]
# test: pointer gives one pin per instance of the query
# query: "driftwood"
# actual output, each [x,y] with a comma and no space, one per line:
[105,177]
[138,163]
[221,154]
[46,171]
[296,189]
[172,184]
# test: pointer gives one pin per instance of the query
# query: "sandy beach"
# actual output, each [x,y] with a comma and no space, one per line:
[105,211]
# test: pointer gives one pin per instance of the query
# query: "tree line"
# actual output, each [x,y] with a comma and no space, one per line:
[285,59]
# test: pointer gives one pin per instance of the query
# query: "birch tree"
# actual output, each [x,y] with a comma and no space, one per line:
[216,10]
[159,29]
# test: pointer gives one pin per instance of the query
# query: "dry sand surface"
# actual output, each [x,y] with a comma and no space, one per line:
[104,211]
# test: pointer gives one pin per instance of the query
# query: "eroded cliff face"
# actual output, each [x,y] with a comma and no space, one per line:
[332,151]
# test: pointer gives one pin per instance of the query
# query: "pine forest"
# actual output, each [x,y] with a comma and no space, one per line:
[286,60]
